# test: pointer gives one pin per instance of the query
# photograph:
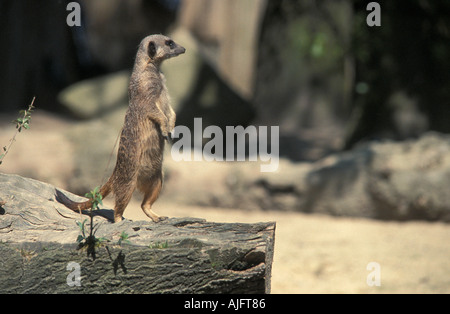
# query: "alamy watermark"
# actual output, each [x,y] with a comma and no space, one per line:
[374,17]
[374,277]
[262,144]
[74,17]
[74,277]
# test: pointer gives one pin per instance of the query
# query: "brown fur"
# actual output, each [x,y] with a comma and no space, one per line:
[148,122]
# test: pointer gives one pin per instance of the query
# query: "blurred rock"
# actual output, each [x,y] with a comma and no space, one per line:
[410,180]
[90,98]
[382,180]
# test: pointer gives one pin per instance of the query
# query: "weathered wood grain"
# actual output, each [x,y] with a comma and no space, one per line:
[180,255]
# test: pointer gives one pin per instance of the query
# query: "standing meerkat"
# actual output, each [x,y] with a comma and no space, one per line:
[148,122]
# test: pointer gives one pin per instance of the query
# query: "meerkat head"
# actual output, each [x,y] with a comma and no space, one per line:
[159,48]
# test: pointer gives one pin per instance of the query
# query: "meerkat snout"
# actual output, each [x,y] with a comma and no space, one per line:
[177,49]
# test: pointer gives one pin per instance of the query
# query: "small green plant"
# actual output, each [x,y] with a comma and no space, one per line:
[123,238]
[159,245]
[96,198]
[22,122]
[27,255]
[90,242]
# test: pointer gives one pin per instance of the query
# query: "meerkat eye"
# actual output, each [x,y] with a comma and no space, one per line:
[170,44]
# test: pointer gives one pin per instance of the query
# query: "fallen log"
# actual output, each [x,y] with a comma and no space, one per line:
[44,250]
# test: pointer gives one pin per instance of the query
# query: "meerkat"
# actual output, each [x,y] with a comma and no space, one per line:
[149,121]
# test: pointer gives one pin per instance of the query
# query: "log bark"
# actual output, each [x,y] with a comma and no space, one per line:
[39,252]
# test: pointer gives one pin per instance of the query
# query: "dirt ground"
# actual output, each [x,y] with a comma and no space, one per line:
[322,254]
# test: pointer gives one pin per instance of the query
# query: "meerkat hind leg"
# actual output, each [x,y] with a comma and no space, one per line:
[121,201]
[151,193]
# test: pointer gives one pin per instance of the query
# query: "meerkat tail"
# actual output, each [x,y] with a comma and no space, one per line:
[105,190]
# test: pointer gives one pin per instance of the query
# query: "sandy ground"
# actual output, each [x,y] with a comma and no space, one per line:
[321,254]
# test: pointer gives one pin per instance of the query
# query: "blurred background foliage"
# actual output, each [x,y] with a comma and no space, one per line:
[315,68]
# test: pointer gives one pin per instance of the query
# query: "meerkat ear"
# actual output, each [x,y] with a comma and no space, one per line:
[151,49]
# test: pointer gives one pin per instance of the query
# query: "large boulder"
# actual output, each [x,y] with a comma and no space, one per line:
[385,180]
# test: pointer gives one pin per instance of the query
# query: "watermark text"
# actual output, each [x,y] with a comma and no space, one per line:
[237,144]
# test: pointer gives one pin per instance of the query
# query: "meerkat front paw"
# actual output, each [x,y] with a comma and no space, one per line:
[165,129]
[168,138]
[167,133]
